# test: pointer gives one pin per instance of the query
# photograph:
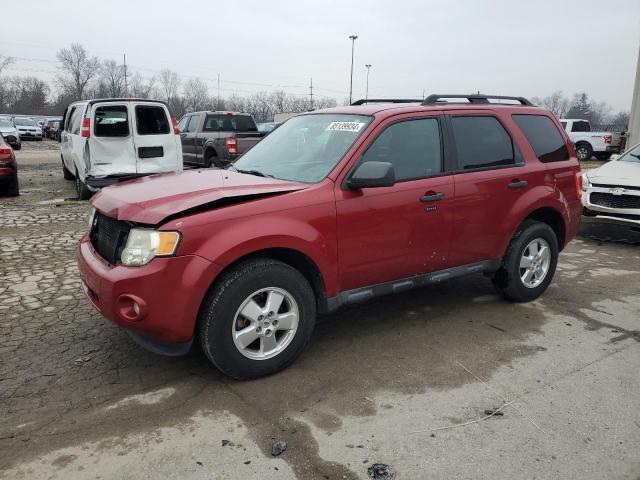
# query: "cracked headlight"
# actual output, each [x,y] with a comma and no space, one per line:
[144,244]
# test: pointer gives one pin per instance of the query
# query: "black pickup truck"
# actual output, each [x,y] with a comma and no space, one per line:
[216,139]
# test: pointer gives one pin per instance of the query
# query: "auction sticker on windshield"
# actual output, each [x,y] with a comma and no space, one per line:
[345,126]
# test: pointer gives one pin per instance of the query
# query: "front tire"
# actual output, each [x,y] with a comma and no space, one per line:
[66,173]
[529,264]
[257,318]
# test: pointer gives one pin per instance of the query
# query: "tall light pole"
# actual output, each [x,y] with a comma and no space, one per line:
[353,44]
[366,95]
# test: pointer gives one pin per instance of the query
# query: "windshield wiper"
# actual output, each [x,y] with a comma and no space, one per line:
[252,172]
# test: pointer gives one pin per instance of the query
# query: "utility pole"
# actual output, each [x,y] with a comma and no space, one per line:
[366,95]
[311,94]
[218,102]
[126,86]
[634,116]
[353,43]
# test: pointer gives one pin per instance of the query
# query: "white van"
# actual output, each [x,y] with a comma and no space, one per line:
[108,140]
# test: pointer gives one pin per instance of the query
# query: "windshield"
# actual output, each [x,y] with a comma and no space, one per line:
[5,123]
[305,148]
[632,155]
[24,122]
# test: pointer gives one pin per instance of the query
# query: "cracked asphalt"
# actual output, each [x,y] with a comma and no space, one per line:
[402,380]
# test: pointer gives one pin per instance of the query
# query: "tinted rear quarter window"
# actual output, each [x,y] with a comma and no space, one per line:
[151,120]
[544,137]
[481,142]
[111,121]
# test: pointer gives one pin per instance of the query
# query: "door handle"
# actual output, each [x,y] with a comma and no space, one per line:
[432,197]
[515,184]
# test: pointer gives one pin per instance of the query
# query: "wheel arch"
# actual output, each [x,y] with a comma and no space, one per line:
[554,219]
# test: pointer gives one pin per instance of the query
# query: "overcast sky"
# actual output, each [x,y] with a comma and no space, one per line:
[501,47]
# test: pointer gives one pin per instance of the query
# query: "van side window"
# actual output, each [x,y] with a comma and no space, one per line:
[544,137]
[411,146]
[482,142]
[151,120]
[69,119]
[111,121]
[76,120]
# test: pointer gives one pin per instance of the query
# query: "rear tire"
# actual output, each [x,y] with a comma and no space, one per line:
[211,160]
[525,274]
[13,189]
[251,284]
[83,192]
[17,146]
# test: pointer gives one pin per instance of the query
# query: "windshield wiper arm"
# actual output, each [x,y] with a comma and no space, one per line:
[253,172]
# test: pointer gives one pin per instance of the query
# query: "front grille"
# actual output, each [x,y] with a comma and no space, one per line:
[614,201]
[109,236]
[625,187]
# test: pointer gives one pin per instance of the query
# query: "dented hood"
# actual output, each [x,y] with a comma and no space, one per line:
[152,199]
[616,173]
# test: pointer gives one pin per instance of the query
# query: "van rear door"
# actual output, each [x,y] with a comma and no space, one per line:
[110,149]
[157,147]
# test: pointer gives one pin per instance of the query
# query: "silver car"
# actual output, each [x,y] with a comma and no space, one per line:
[10,133]
[612,191]
[28,128]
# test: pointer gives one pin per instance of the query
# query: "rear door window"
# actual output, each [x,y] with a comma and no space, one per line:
[229,123]
[481,142]
[544,137]
[411,146]
[151,120]
[111,121]
[580,126]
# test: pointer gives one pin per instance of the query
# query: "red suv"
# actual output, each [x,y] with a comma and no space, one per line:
[336,206]
[8,170]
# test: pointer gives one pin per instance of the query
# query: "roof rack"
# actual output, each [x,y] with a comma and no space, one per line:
[473,98]
[362,101]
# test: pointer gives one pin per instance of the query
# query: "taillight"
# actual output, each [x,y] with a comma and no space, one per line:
[174,122]
[607,138]
[86,127]
[232,145]
[6,156]
[577,177]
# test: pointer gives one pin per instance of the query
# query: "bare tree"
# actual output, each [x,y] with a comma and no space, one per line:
[169,84]
[77,69]
[5,62]
[112,77]
[140,88]
[557,103]
[196,95]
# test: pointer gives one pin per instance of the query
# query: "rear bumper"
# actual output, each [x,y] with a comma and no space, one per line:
[613,149]
[168,292]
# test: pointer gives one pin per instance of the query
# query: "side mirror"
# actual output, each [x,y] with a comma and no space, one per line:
[372,175]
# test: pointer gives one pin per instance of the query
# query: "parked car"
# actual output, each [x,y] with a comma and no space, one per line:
[109,140]
[217,138]
[54,130]
[612,192]
[48,125]
[588,143]
[336,206]
[8,170]
[28,128]
[10,133]
[268,127]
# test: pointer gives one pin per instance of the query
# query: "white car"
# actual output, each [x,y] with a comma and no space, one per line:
[588,143]
[105,141]
[28,128]
[612,192]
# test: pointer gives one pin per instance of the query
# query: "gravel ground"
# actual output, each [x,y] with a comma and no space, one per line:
[401,380]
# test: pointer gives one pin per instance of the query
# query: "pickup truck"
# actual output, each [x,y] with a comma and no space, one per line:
[217,139]
[588,143]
